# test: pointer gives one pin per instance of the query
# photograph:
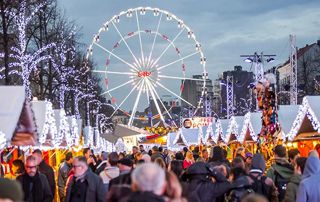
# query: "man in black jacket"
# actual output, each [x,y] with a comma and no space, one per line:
[201,187]
[45,169]
[85,186]
[63,174]
[34,184]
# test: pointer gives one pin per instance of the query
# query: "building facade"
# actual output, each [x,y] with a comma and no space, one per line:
[243,95]
[308,74]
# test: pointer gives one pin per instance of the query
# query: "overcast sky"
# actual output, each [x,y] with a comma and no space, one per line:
[226,29]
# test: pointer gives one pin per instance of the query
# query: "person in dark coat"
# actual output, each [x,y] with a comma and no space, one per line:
[199,185]
[262,185]
[85,186]
[45,169]
[91,161]
[217,157]
[63,174]
[155,153]
[34,184]
[293,185]
[120,187]
[10,190]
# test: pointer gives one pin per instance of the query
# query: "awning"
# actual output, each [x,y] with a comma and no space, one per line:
[16,119]
[45,121]
[121,131]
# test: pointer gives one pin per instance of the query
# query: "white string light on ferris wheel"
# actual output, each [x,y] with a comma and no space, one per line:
[304,111]
[142,10]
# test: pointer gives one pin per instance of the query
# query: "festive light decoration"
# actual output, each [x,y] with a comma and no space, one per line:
[304,111]
[139,71]
[24,60]
[74,131]
[49,126]
[247,125]
[3,140]
[64,130]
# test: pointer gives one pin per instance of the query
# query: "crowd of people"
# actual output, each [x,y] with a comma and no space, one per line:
[165,176]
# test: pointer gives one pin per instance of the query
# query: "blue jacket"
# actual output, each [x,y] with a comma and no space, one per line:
[309,188]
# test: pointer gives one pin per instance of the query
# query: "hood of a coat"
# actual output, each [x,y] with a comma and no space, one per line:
[284,168]
[258,162]
[198,168]
[312,167]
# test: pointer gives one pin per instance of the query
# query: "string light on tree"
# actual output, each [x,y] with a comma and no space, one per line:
[23,59]
[49,126]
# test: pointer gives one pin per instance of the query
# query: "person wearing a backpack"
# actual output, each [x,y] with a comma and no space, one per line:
[261,184]
[281,171]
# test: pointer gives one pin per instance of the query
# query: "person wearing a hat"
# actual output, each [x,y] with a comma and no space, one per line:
[281,171]
[120,186]
[10,190]
[262,185]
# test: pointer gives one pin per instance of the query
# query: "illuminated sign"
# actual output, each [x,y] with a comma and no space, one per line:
[197,122]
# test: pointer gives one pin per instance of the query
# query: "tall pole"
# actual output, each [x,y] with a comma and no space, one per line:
[229,96]
[293,73]
[258,61]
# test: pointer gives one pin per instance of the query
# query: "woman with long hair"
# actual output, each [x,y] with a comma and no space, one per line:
[188,161]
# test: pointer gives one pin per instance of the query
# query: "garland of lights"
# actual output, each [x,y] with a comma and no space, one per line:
[49,125]
[247,126]
[304,110]
[218,131]
[209,133]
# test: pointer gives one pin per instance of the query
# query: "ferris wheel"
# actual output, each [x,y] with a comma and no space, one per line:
[143,55]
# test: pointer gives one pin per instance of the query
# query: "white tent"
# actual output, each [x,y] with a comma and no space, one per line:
[170,139]
[45,120]
[251,127]
[16,119]
[212,132]
[233,132]
[224,125]
[286,117]
[121,131]
[187,136]
[309,112]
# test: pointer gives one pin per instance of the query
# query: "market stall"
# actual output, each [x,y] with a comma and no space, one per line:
[305,131]
[17,126]
[46,122]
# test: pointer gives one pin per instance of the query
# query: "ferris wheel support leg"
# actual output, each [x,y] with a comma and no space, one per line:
[135,105]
